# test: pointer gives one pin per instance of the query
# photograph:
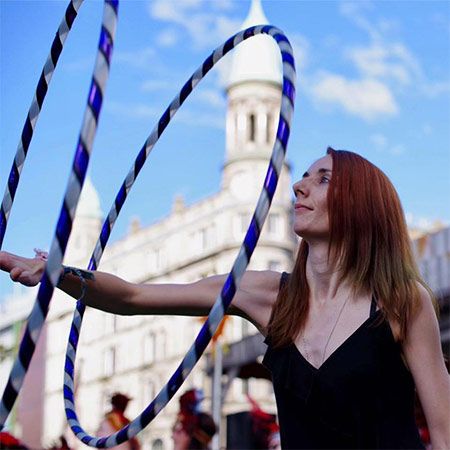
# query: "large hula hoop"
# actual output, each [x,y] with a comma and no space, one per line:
[246,250]
[75,183]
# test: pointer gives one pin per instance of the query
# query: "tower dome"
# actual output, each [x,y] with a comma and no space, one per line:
[258,58]
[89,203]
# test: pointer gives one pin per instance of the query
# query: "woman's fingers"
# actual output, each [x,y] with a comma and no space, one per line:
[15,273]
[23,270]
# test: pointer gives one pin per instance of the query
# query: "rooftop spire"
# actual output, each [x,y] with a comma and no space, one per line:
[258,58]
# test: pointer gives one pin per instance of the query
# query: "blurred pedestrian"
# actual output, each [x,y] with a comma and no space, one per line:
[266,431]
[193,428]
[9,442]
[115,420]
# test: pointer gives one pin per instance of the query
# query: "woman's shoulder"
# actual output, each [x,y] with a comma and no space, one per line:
[256,296]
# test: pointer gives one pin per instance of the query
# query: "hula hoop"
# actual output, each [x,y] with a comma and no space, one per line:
[233,280]
[75,183]
[33,113]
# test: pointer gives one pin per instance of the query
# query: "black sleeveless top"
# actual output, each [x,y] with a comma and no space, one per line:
[362,396]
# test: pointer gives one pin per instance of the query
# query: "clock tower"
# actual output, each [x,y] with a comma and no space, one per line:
[253,95]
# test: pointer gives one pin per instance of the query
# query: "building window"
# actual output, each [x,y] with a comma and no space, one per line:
[150,348]
[274,224]
[157,444]
[202,239]
[110,323]
[240,224]
[109,362]
[269,128]
[240,127]
[156,259]
[148,391]
[251,128]
[162,345]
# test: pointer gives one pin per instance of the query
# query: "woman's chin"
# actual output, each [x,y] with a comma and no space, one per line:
[311,236]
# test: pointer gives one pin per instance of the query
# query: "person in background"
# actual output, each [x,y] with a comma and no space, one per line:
[8,441]
[115,419]
[265,428]
[193,428]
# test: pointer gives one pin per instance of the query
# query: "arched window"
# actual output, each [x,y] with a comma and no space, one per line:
[251,128]
[157,444]
[109,362]
[269,128]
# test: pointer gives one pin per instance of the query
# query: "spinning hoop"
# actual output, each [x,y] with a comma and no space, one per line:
[53,266]
[233,280]
[75,183]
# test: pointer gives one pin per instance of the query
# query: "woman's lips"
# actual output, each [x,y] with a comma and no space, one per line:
[299,207]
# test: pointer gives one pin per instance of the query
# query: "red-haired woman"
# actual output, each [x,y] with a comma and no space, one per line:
[351,332]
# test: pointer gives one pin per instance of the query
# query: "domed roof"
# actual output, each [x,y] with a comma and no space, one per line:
[89,203]
[258,58]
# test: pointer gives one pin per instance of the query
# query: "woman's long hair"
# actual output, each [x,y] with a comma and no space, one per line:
[369,243]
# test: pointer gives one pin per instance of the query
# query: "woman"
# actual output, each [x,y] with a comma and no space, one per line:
[350,332]
[193,429]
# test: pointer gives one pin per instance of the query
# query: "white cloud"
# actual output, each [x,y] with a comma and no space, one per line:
[388,61]
[156,85]
[385,58]
[204,22]
[211,96]
[366,98]
[140,59]
[356,11]
[201,119]
[379,141]
[185,116]
[132,110]
[301,48]
[433,89]
[381,144]
[168,37]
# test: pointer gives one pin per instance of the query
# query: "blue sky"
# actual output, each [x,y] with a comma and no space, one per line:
[374,77]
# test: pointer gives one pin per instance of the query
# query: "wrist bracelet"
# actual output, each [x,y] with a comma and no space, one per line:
[83,275]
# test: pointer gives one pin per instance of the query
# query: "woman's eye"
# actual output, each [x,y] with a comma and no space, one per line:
[324,180]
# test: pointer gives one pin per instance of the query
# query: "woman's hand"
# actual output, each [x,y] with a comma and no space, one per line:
[27,271]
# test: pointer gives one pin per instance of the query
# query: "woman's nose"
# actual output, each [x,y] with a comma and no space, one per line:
[300,188]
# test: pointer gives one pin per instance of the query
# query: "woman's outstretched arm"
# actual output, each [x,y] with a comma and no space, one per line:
[254,299]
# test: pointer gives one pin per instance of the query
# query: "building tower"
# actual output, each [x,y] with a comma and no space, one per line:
[253,103]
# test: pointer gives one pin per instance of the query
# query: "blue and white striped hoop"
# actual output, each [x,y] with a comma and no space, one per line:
[233,280]
[78,172]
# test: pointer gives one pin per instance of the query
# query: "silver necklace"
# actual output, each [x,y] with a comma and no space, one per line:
[306,344]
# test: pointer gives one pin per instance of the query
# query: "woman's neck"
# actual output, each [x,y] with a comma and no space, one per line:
[324,278]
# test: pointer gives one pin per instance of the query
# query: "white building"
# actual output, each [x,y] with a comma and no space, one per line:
[137,355]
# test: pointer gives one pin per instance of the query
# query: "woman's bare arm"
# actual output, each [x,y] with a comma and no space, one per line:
[253,300]
[423,352]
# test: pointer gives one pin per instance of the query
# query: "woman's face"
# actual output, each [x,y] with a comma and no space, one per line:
[181,439]
[311,211]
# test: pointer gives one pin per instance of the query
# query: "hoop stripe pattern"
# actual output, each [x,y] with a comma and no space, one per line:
[71,196]
[33,113]
[233,280]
